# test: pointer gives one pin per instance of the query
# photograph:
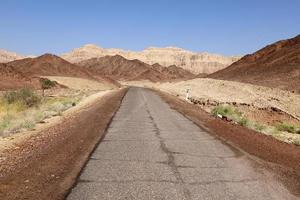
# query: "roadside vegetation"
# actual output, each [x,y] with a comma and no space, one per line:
[283,131]
[46,84]
[22,109]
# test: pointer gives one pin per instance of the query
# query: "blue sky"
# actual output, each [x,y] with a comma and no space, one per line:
[230,27]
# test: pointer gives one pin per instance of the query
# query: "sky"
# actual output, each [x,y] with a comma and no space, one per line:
[229,27]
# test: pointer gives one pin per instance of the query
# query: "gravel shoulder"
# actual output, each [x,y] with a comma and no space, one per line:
[44,164]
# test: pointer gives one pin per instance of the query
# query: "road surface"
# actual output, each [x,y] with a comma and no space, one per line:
[152,152]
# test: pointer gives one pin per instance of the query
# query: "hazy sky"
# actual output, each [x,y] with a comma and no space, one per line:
[230,27]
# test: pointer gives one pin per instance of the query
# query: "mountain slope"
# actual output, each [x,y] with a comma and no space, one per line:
[276,65]
[193,62]
[13,79]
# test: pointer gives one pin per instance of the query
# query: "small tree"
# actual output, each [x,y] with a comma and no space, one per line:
[46,84]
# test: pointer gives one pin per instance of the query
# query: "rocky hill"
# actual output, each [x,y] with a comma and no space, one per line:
[7,56]
[120,68]
[193,62]
[276,65]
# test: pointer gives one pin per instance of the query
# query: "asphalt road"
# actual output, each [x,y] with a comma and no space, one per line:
[152,152]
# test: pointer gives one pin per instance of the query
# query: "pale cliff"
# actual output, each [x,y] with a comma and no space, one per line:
[7,56]
[194,62]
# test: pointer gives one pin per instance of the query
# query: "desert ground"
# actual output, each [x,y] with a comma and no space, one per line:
[107,126]
[125,146]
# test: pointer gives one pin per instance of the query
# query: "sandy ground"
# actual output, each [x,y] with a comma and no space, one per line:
[229,91]
[44,164]
[80,83]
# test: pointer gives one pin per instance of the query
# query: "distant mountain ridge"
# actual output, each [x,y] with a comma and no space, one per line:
[48,65]
[193,62]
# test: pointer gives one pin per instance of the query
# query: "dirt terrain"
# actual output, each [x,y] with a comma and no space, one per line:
[44,164]
[276,65]
[119,68]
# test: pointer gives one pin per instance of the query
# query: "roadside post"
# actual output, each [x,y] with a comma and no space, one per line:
[187,97]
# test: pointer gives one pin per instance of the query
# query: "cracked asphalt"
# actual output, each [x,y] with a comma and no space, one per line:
[153,152]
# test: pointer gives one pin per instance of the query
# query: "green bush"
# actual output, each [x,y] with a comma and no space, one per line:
[27,124]
[259,127]
[287,127]
[5,122]
[25,96]
[231,113]
[227,111]
[11,97]
[222,110]
[243,121]
[46,83]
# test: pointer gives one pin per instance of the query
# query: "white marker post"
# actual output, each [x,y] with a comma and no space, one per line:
[187,94]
